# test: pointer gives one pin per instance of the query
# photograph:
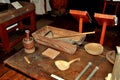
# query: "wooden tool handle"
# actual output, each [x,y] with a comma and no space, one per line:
[74,35]
[92,32]
[83,71]
[92,73]
[76,59]
[27,34]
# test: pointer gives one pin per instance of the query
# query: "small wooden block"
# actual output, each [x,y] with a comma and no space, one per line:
[51,53]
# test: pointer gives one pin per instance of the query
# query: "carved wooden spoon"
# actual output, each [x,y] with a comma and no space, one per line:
[64,65]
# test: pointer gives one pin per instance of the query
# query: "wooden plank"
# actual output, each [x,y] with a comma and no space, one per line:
[3,69]
[13,75]
[41,67]
[8,75]
[17,76]
[24,78]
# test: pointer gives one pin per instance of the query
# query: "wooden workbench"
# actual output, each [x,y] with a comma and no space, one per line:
[41,67]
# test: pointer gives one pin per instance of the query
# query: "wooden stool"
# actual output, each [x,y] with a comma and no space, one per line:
[116,4]
[81,16]
[104,20]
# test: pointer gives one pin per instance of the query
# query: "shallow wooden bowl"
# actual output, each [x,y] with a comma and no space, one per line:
[94,48]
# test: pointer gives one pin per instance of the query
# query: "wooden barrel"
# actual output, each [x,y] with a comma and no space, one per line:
[58,4]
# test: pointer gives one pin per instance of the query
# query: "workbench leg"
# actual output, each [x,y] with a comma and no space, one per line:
[4,39]
[33,21]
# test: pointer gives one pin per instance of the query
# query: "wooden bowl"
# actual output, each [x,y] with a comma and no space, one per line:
[94,48]
[110,56]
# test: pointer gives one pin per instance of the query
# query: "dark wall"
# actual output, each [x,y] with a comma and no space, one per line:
[91,6]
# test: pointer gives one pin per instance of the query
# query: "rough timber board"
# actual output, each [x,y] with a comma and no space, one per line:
[42,67]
